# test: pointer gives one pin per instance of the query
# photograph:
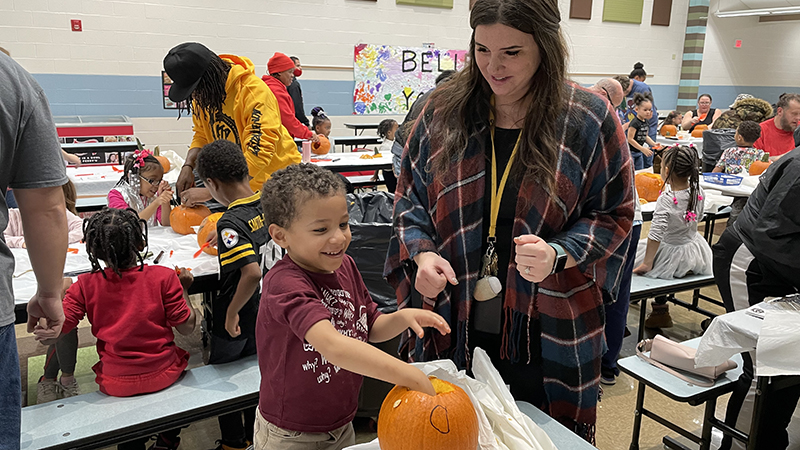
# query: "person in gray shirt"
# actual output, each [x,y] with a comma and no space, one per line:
[31,164]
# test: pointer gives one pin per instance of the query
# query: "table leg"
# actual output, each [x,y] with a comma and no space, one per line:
[642,315]
[637,416]
[705,434]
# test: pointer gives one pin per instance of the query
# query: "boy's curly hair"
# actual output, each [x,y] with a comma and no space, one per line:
[115,236]
[749,131]
[289,187]
[223,161]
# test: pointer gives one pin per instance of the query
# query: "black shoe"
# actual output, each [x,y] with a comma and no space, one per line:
[607,377]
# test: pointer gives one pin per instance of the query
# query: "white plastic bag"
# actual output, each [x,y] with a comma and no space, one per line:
[501,424]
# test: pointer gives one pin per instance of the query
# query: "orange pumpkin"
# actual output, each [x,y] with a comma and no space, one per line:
[411,420]
[758,167]
[182,219]
[669,130]
[649,186]
[207,227]
[165,164]
[322,147]
[698,131]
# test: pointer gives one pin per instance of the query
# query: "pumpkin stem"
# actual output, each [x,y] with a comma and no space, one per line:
[765,158]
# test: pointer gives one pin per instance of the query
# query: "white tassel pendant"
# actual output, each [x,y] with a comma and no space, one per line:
[487,288]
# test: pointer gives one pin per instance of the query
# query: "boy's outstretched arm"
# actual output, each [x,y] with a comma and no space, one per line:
[387,326]
[362,358]
[248,283]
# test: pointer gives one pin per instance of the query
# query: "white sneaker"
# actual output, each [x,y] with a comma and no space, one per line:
[70,390]
[46,391]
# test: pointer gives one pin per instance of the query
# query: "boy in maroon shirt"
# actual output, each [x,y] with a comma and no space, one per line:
[316,317]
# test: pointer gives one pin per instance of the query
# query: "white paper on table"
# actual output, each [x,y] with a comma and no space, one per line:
[728,335]
[776,351]
[502,426]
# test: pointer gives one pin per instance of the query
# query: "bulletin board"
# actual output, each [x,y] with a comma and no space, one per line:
[627,11]
[389,78]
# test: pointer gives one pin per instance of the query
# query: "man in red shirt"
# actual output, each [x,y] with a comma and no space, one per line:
[777,133]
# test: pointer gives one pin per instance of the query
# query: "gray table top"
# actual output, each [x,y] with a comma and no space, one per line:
[561,436]
[672,386]
[77,420]
[644,287]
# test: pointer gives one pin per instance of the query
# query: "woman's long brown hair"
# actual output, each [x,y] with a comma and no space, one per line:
[462,104]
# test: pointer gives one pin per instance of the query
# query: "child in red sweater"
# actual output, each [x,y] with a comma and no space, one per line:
[132,308]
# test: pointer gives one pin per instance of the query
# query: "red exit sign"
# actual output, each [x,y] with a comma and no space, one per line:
[737,43]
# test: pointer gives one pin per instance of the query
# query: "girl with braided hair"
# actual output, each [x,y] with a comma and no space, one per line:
[143,189]
[674,248]
[132,308]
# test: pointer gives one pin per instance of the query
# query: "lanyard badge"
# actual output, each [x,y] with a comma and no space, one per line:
[489,286]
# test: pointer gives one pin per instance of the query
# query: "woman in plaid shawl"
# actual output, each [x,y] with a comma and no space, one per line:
[569,189]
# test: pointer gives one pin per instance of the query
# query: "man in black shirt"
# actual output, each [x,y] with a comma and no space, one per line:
[757,258]
[297,93]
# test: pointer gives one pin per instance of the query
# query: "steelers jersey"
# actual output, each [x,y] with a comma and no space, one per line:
[241,239]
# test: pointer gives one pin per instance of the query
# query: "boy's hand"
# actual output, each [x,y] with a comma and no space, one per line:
[423,384]
[186,278]
[232,325]
[418,319]
[647,152]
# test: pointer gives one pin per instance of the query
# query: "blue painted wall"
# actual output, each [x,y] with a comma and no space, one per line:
[140,96]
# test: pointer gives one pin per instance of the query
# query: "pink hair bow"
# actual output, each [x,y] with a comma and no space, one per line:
[139,156]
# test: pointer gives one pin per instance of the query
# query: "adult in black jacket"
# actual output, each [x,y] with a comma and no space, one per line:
[757,258]
[297,93]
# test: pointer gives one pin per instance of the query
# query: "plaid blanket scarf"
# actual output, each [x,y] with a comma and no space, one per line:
[590,217]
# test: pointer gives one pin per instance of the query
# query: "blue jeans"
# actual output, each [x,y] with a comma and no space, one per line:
[617,312]
[648,160]
[638,159]
[10,389]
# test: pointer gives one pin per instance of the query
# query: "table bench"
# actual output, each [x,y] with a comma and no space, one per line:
[643,288]
[358,128]
[96,420]
[678,390]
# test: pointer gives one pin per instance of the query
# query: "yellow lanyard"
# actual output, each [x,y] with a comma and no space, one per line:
[497,193]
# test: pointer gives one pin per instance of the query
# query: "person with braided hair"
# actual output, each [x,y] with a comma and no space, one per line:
[142,188]
[674,248]
[228,101]
[133,359]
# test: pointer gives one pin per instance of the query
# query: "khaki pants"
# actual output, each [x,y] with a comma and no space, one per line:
[267,436]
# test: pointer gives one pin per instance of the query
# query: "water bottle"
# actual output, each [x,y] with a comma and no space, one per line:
[306,151]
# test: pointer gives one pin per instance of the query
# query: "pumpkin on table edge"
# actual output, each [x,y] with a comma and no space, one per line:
[697,132]
[322,147]
[758,167]
[182,219]
[648,186]
[669,130]
[208,226]
[165,164]
[411,420]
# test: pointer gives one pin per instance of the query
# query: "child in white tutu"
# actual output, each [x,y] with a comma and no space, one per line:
[674,248]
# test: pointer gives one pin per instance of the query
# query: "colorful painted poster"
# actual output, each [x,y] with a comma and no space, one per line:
[389,78]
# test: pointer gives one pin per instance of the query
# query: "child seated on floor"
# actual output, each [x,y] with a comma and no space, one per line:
[241,238]
[674,248]
[316,317]
[132,308]
[143,189]
[737,160]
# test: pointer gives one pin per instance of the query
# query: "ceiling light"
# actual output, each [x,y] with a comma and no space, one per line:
[758,12]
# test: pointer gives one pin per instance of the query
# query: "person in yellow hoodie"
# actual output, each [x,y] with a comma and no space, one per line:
[227,101]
